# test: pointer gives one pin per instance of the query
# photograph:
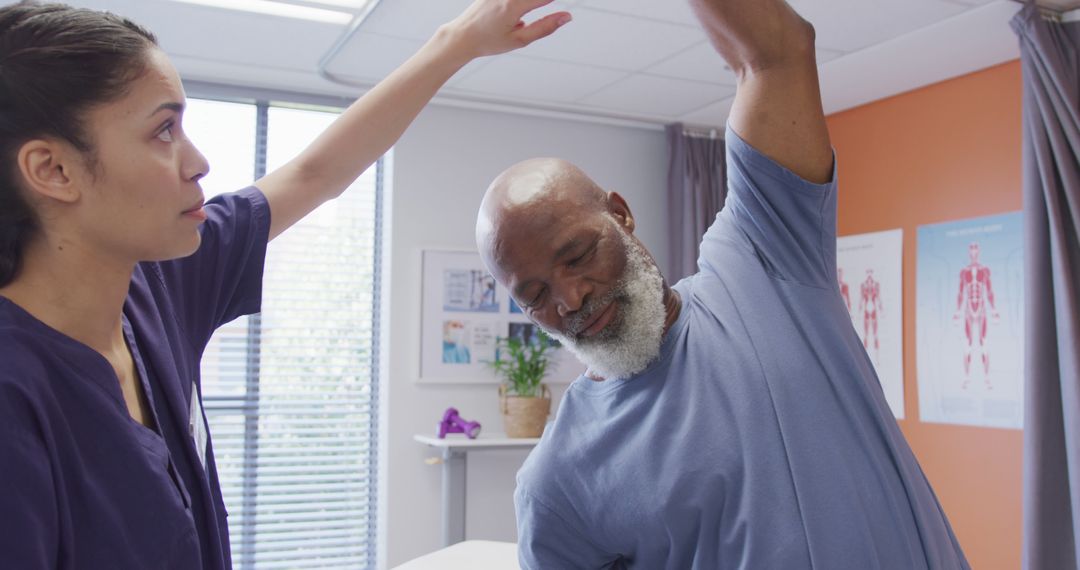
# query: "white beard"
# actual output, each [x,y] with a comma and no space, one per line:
[631,341]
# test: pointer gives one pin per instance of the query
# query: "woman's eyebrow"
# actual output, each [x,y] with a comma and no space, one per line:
[172,106]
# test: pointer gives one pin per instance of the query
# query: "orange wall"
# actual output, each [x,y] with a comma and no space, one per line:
[944,152]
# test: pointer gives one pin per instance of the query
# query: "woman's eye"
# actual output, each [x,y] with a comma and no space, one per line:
[166,134]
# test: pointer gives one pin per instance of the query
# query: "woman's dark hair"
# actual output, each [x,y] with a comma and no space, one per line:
[55,63]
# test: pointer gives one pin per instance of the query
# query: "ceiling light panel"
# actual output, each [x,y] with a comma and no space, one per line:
[280,9]
[350,5]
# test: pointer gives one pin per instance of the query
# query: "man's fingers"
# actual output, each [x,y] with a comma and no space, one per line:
[542,28]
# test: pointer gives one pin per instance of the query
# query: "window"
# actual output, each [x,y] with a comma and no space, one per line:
[290,393]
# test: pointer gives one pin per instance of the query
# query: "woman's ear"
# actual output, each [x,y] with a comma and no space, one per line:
[48,169]
[621,210]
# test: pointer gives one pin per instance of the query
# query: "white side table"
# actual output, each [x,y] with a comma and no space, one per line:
[455,450]
[468,555]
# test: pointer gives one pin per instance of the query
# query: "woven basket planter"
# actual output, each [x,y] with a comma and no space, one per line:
[524,417]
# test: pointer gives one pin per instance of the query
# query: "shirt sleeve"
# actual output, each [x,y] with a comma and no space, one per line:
[788,221]
[222,280]
[29,527]
[548,540]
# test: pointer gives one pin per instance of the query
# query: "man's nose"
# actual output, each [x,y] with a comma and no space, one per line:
[571,296]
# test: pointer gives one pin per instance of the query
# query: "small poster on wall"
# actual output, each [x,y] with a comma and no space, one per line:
[464,314]
[870,273]
[969,322]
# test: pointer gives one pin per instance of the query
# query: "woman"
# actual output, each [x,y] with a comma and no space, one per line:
[114,274]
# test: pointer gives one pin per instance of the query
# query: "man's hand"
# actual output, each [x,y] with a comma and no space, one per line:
[777,107]
[755,35]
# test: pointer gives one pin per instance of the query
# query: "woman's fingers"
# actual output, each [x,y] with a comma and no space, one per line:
[490,27]
[541,28]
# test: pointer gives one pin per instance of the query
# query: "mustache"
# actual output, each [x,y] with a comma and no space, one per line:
[576,324]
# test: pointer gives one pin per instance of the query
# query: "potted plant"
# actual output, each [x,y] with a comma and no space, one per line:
[522,361]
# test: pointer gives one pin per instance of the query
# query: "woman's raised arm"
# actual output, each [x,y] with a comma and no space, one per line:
[371,125]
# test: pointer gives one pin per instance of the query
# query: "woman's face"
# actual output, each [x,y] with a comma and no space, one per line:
[142,200]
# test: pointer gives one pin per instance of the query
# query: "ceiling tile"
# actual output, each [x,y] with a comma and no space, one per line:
[469,69]
[657,96]
[976,40]
[703,63]
[519,77]
[850,25]
[699,63]
[604,39]
[677,11]
[826,55]
[372,57]
[714,115]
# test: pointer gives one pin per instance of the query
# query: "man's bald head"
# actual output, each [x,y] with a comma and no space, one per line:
[534,191]
[566,251]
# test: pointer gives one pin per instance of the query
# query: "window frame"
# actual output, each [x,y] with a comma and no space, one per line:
[263,100]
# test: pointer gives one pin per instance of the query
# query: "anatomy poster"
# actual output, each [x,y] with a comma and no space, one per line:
[870,274]
[969,322]
[465,313]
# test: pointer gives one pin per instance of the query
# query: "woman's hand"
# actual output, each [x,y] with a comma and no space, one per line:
[489,27]
[373,123]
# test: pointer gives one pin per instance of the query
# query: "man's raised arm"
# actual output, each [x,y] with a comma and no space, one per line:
[777,107]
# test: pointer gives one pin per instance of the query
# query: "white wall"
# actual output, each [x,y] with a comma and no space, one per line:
[440,170]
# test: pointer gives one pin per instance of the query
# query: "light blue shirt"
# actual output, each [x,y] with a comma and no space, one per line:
[759,439]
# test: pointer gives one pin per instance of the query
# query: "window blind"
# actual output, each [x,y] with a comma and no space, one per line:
[289,393]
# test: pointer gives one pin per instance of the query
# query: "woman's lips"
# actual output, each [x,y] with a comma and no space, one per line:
[197,212]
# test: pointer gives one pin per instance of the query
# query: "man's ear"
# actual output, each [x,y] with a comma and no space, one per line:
[621,210]
[47,168]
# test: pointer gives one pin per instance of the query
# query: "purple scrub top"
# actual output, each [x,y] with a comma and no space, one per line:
[82,484]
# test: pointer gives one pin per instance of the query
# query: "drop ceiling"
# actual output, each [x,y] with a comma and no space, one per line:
[643,61]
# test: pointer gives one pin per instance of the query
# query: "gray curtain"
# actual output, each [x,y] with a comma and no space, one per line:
[697,186]
[1050,60]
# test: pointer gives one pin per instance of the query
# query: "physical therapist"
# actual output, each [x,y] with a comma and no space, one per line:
[114,274]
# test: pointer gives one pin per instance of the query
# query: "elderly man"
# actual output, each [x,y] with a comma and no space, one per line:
[732,420]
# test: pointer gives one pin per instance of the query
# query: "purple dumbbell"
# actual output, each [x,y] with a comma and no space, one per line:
[452,422]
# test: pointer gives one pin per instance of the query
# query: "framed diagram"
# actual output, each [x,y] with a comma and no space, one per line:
[464,313]
[969,321]
[870,273]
